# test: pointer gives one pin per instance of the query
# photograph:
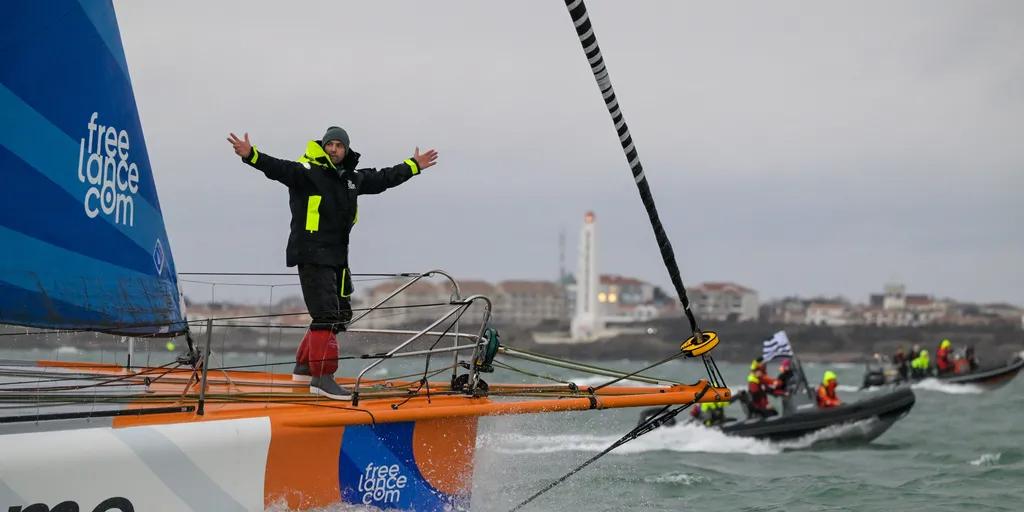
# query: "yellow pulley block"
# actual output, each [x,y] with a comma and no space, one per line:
[693,347]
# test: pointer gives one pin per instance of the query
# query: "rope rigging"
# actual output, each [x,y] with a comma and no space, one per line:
[701,342]
[666,414]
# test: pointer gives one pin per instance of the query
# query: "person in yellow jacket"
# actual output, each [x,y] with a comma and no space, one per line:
[710,413]
[920,366]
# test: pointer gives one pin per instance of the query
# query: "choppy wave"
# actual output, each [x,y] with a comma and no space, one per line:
[987,459]
[687,438]
[676,478]
[945,387]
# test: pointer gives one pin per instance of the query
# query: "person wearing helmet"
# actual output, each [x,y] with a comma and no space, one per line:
[920,366]
[944,357]
[785,384]
[759,386]
[786,379]
[827,391]
[710,413]
[902,363]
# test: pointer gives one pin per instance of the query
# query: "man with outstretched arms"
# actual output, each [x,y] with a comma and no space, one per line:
[322,189]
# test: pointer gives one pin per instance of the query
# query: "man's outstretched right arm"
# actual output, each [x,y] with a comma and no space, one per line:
[285,171]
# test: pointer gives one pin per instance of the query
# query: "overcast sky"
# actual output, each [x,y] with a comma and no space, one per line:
[793,147]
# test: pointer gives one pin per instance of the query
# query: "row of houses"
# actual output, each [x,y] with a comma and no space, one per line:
[625,300]
[892,308]
[523,303]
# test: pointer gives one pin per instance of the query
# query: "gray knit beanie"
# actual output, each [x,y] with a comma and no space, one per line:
[335,133]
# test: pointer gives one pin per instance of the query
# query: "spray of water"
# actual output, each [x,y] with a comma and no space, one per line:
[945,387]
[987,459]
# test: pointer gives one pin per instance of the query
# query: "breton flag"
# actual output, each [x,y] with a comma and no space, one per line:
[778,346]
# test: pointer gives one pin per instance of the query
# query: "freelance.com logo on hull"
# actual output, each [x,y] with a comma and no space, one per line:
[113,180]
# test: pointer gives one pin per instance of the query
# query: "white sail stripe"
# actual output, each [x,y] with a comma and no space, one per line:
[628,148]
[594,59]
[587,34]
[614,103]
[598,68]
[614,112]
[639,177]
[632,163]
[620,124]
[607,92]
[590,48]
[574,4]
[625,135]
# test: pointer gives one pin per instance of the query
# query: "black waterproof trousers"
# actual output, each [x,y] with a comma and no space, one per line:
[327,291]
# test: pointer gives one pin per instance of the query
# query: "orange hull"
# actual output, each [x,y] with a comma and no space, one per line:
[266,441]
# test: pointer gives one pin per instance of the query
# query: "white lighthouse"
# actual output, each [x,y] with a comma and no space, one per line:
[585,321]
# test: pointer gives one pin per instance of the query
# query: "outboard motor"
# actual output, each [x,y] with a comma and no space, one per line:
[874,377]
[743,397]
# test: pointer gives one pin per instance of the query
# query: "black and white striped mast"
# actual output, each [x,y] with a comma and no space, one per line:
[588,40]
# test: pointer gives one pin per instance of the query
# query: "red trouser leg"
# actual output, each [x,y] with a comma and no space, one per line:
[323,353]
[302,354]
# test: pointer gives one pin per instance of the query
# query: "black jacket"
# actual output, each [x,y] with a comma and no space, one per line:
[323,201]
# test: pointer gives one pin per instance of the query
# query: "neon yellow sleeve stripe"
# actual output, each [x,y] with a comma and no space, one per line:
[412,165]
[313,213]
[255,155]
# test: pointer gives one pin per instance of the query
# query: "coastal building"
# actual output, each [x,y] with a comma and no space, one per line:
[896,308]
[832,313]
[789,310]
[529,303]
[721,302]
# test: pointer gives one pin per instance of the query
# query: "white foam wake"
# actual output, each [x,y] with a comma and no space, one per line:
[932,384]
[845,431]
[679,438]
[676,478]
[987,459]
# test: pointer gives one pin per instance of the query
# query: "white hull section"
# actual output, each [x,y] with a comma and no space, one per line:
[201,466]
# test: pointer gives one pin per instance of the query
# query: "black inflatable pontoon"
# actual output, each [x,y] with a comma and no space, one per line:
[862,421]
[987,378]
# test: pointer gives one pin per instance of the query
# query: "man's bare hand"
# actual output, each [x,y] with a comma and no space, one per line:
[243,147]
[426,159]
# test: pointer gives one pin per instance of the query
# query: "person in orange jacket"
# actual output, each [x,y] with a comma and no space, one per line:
[944,358]
[759,386]
[827,391]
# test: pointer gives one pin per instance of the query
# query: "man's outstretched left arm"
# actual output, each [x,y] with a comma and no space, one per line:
[375,182]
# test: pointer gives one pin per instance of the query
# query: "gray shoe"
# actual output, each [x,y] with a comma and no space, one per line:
[301,372]
[327,387]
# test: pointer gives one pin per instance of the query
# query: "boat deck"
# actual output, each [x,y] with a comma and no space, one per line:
[49,395]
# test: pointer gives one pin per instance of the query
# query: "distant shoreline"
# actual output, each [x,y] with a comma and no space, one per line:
[741,341]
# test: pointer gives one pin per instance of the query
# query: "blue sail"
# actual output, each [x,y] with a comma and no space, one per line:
[82,240]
